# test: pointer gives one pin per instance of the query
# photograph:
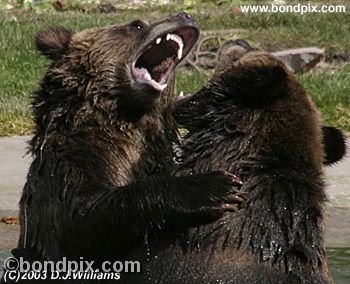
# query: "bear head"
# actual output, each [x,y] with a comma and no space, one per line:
[123,71]
[256,109]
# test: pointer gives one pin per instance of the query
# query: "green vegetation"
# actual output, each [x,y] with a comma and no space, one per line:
[331,93]
[21,67]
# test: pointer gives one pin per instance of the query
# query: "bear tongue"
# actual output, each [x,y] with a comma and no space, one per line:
[160,70]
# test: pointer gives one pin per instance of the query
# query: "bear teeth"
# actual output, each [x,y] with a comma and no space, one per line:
[156,62]
[179,42]
[145,76]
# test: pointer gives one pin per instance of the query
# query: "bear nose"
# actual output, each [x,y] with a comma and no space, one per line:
[187,18]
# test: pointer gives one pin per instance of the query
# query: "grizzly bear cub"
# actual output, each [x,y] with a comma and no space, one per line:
[253,119]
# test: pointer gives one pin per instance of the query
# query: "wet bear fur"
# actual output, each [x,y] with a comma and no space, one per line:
[254,119]
[101,177]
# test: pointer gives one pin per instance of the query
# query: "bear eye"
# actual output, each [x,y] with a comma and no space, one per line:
[139,25]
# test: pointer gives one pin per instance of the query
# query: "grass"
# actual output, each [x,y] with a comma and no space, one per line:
[21,67]
[331,93]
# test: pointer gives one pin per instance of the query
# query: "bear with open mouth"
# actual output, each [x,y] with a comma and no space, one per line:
[101,177]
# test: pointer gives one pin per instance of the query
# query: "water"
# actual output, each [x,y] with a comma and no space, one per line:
[3,256]
[339,262]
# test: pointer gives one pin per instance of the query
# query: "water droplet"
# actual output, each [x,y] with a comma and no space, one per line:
[148,259]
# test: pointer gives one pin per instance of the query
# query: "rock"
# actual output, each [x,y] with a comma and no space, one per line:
[301,59]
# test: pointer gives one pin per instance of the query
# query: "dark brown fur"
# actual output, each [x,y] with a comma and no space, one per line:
[102,152]
[254,119]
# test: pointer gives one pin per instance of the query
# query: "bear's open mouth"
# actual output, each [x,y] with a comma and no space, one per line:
[154,64]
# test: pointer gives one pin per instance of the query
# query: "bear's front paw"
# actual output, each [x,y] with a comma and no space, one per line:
[223,190]
[212,194]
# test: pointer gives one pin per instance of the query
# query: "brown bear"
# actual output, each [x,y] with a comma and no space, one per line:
[101,177]
[254,119]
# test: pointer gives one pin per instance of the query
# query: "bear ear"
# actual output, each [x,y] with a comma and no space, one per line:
[334,144]
[233,50]
[53,42]
[243,43]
